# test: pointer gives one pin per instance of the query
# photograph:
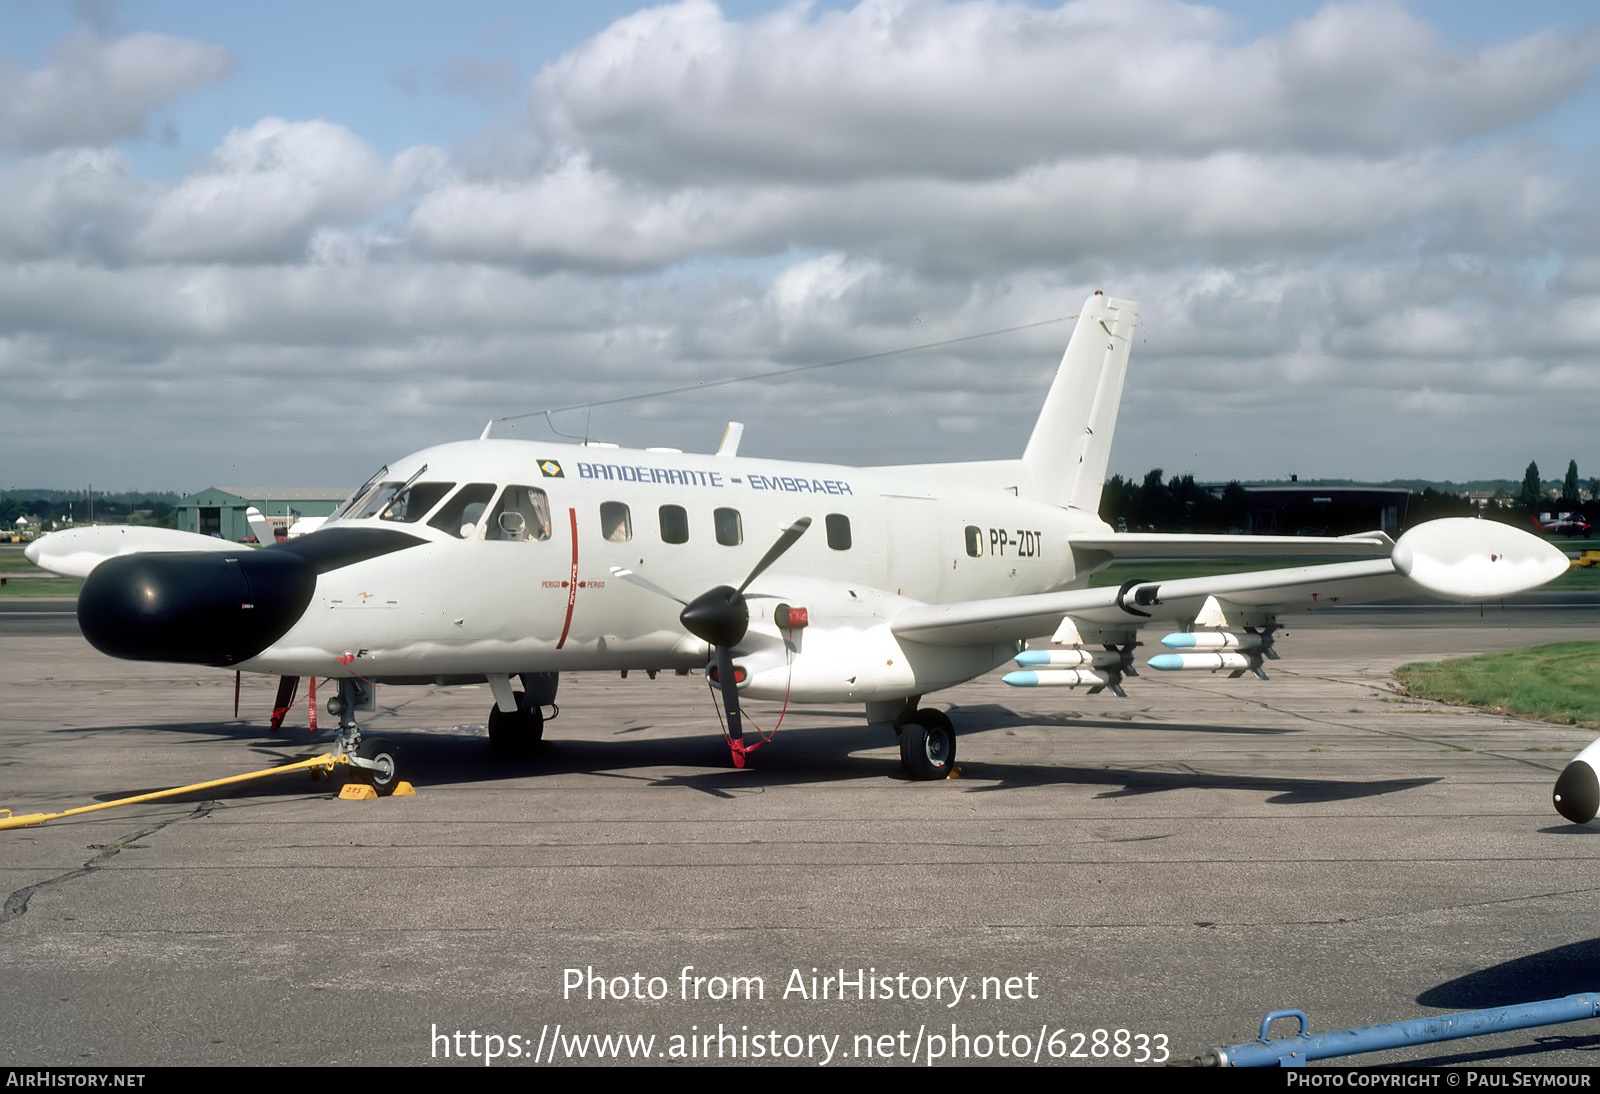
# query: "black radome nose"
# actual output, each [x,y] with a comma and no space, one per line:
[200,607]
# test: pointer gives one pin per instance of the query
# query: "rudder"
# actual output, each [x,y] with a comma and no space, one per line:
[1070,447]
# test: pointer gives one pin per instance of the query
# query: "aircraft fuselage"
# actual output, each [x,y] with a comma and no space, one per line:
[481,587]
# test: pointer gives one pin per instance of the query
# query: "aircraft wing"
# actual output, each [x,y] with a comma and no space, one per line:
[1162,545]
[1454,559]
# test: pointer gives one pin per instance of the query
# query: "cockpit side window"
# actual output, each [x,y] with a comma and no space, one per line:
[460,515]
[413,504]
[522,516]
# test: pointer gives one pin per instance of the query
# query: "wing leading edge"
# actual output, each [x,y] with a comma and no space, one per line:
[1163,545]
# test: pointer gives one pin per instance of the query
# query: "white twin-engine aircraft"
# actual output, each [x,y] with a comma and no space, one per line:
[493,559]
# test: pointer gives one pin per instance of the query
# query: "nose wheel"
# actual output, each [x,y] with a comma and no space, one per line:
[378,761]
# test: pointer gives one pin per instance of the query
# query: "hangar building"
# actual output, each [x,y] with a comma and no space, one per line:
[1326,510]
[220,510]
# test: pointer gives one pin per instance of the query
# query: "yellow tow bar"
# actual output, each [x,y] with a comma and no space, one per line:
[326,762]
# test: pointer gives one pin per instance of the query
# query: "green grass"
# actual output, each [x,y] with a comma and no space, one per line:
[1177,569]
[1578,577]
[41,586]
[1558,683]
[23,578]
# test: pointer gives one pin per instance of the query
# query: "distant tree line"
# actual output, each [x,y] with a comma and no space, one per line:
[1179,504]
[1535,496]
[64,506]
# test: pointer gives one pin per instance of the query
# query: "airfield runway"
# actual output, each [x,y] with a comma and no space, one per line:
[1173,864]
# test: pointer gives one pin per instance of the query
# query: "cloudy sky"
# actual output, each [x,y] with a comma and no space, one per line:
[286,243]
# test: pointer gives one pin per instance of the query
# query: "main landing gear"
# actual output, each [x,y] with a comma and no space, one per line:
[518,732]
[928,744]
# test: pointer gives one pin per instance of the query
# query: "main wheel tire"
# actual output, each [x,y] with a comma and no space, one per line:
[517,733]
[386,776]
[928,746]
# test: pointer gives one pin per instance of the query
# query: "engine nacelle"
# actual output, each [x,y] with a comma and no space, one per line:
[846,651]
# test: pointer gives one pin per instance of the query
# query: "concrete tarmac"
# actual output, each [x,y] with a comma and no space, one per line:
[1173,864]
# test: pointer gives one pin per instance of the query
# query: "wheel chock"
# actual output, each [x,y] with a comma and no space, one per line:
[361,792]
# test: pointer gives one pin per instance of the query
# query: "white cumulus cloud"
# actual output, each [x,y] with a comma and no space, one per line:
[97,89]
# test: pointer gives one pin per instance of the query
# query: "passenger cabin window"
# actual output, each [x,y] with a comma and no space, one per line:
[838,531]
[730,529]
[674,524]
[974,541]
[523,516]
[414,504]
[460,515]
[616,523]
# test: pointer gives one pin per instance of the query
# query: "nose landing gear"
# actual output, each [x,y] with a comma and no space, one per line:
[374,760]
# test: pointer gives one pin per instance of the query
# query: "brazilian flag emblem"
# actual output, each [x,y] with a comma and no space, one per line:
[551,469]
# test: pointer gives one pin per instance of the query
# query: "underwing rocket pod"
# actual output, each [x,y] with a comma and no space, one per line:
[1211,640]
[1099,659]
[1059,678]
[1577,792]
[1209,662]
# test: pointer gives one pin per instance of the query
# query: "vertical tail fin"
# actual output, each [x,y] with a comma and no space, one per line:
[1070,447]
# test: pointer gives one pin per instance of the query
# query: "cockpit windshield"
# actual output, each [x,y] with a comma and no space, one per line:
[390,497]
[522,513]
[375,502]
[359,496]
[410,506]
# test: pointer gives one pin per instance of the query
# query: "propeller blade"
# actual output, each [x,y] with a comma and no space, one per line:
[288,686]
[730,704]
[644,583]
[790,535]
